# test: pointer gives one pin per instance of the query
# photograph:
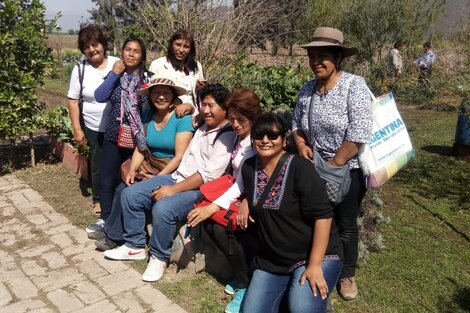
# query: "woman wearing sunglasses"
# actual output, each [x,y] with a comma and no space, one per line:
[243,108]
[299,255]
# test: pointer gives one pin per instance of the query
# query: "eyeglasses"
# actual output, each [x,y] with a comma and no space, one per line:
[271,134]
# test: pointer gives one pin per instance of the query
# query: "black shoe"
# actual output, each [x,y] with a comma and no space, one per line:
[96,235]
[105,243]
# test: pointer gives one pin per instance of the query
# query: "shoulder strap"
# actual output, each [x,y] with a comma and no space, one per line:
[271,181]
[226,128]
[81,73]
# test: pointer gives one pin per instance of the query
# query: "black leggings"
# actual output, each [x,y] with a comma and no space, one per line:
[242,247]
[346,214]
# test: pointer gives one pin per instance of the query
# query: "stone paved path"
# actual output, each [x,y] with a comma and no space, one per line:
[49,265]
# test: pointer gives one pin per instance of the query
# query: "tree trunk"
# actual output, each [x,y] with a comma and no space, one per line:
[274,48]
[31,145]
[12,158]
[291,49]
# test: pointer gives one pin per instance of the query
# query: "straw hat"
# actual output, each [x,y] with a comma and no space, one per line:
[161,81]
[330,37]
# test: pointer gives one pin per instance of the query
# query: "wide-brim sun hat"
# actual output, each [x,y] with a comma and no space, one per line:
[161,81]
[330,37]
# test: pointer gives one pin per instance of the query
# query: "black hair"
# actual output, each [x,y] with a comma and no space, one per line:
[189,64]
[427,44]
[218,92]
[397,44]
[142,65]
[266,122]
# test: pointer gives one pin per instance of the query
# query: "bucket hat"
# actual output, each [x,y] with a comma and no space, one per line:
[329,37]
[161,81]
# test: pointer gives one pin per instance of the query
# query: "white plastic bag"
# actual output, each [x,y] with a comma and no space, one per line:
[389,148]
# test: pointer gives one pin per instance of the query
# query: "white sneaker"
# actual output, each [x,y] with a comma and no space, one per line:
[125,253]
[155,269]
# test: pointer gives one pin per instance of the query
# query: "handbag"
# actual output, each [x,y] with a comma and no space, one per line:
[389,148]
[337,178]
[213,190]
[125,137]
[150,165]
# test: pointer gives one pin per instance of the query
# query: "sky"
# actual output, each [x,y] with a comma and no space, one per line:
[73,11]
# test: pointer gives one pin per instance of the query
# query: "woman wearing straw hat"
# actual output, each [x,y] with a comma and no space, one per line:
[167,137]
[333,117]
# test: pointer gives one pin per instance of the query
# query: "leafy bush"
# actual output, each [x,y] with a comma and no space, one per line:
[58,124]
[276,85]
[71,55]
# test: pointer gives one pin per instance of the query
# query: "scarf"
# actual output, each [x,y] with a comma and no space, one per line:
[132,107]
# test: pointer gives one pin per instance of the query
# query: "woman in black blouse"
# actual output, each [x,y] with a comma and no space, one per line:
[299,248]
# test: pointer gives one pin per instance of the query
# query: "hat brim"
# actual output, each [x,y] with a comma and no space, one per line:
[347,51]
[180,91]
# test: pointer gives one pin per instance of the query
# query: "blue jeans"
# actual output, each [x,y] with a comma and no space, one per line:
[266,290]
[166,212]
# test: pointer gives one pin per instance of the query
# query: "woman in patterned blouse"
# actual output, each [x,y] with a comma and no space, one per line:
[333,115]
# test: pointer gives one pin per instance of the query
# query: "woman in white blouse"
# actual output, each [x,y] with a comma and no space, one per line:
[243,108]
[180,65]
[95,67]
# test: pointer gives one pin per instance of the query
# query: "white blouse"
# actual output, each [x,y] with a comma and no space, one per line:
[243,150]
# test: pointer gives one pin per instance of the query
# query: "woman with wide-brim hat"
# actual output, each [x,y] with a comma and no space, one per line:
[167,138]
[333,116]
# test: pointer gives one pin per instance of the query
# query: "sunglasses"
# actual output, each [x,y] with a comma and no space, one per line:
[271,134]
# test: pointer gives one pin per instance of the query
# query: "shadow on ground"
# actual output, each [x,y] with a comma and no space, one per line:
[459,301]
[441,150]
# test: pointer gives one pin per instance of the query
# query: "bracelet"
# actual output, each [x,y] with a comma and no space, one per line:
[299,142]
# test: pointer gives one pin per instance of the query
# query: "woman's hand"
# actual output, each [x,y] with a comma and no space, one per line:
[119,67]
[130,178]
[79,136]
[305,151]
[184,109]
[314,275]
[162,192]
[200,214]
[200,83]
[244,215]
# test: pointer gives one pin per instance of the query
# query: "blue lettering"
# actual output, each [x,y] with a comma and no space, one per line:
[384,132]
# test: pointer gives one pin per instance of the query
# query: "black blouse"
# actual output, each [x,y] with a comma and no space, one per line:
[285,221]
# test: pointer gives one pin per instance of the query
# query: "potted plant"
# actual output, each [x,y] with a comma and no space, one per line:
[63,146]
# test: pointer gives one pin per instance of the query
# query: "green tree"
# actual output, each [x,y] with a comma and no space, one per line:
[23,63]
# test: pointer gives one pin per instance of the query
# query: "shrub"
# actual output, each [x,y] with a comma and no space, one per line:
[58,124]
[276,86]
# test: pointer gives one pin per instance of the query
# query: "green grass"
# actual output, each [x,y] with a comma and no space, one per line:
[56,85]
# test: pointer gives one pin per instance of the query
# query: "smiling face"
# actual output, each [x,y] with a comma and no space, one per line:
[132,55]
[322,61]
[268,143]
[241,125]
[181,49]
[161,96]
[213,113]
[94,52]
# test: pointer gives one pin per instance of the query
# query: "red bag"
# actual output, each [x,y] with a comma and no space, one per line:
[125,138]
[214,189]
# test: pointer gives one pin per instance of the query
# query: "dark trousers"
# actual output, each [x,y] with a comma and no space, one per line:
[114,225]
[112,158]
[95,143]
[242,245]
[345,215]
